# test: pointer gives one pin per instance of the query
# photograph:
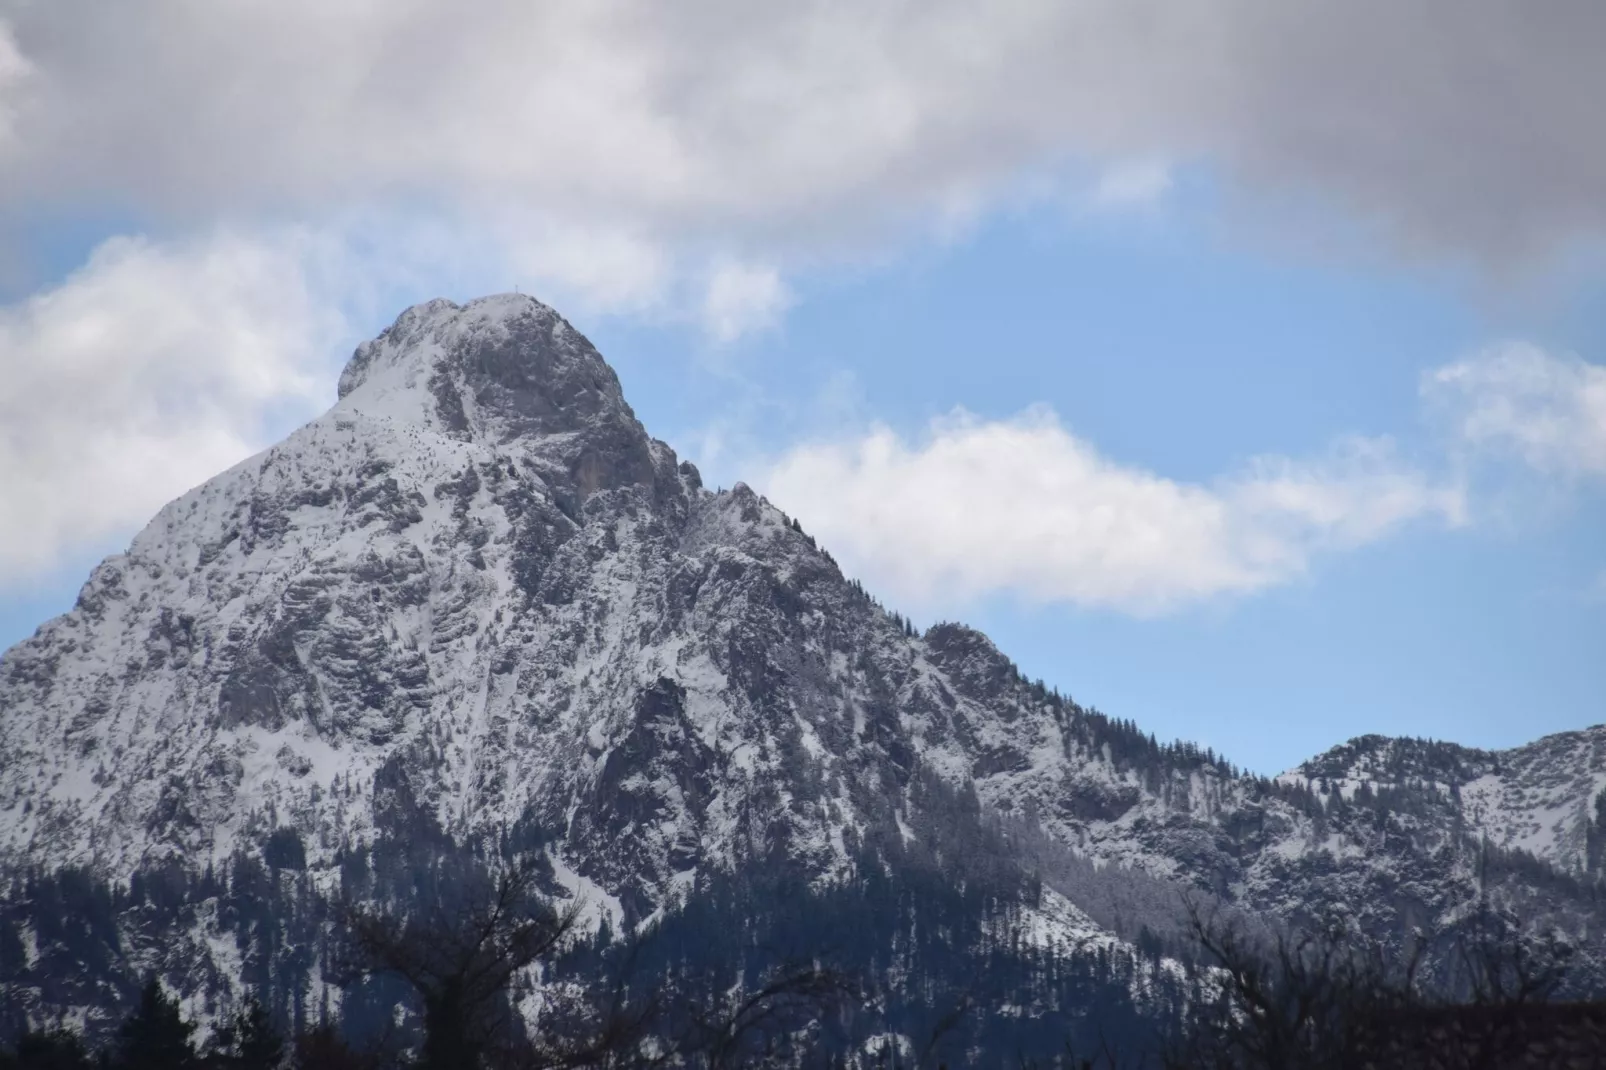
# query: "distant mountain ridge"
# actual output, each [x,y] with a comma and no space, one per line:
[476,596]
[1541,797]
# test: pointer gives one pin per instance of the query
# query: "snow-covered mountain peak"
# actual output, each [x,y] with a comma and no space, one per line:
[496,371]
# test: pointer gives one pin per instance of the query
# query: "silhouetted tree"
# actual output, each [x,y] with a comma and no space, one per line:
[740,1029]
[155,1035]
[1332,1000]
[1495,964]
[56,1049]
[459,955]
[322,1048]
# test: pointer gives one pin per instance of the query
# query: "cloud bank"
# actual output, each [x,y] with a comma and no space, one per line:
[1459,126]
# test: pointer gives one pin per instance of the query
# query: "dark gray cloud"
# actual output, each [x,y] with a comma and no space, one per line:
[1463,127]
[1467,125]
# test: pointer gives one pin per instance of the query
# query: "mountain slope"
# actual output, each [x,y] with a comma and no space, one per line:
[476,597]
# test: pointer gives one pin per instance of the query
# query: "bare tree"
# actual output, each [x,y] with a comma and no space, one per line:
[1303,999]
[582,1028]
[460,955]
[744,1028]
[1494,965]
[1332,999]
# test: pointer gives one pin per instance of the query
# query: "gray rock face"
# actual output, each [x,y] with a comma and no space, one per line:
[476,593]
[509,370]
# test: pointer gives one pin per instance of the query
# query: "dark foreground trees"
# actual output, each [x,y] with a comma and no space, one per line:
[468,956]
[462,955]
[461,967]
[1329,1000]
[55,1049]
[156,1036]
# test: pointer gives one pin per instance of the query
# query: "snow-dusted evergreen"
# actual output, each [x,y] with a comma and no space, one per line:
[476,597]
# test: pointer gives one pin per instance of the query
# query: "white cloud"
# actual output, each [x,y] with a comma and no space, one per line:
[1025,507]
[1547,409]
[145,372]
[742,298]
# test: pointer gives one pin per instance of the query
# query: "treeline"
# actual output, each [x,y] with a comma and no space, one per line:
[932,945]
[69,940]
[459,960]
[943,943]
[156,1036]
[679,997]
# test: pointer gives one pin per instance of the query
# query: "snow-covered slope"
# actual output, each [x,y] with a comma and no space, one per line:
[1539,798]
[476,594]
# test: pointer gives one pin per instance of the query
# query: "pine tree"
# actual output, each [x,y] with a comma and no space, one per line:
[1595,838]
[249,1041]
[155,1036]
[56,1049]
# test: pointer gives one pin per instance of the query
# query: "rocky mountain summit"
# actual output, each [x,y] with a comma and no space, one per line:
[475,598]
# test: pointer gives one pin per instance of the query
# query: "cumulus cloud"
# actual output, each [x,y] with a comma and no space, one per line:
[145,372]
[1459,125]
[1547,409]
[1023,506]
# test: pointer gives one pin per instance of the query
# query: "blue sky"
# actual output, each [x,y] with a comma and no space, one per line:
[1261,429]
